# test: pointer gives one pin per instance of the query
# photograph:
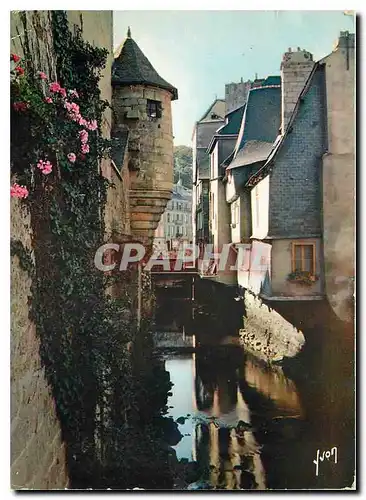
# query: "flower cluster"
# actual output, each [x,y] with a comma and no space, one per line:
[83,136]
[57,92]
[18,69]
[17,191]
[302,277]
[45,167]
[56,88]
[20,106]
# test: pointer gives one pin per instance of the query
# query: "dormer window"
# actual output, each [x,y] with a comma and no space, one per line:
[214,116]
[154,109]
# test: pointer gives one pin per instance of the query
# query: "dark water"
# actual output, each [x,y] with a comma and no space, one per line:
[252,426]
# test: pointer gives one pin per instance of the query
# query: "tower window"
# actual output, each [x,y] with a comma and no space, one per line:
[154,109]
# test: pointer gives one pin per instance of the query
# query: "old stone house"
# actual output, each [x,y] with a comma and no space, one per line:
[289,217]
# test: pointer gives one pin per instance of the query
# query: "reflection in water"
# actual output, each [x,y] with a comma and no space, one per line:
[221,437]
[272,383]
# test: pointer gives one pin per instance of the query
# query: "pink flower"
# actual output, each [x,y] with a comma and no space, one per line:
[19,70]
[82,122]
[62,91]
[74,111]
[42,75]
[83,136]
[17,191]
[55,87]
[85,148]
[93,125]
[48,100]
[15,58]
[72,157]
[20,106]
[44,166]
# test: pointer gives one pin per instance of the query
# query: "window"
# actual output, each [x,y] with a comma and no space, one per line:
[153,109]
[303,257]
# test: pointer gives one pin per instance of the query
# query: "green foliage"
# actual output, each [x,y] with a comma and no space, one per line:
[183,165]
[84,331]
[24,254]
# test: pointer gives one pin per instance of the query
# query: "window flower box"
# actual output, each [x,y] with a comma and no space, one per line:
[302,278]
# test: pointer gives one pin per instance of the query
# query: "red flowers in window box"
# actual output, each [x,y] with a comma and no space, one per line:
[19,70]
[14,57]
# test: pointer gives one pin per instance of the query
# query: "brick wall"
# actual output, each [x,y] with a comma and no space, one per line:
[295,182]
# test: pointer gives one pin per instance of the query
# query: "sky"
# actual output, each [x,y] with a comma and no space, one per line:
[199,51]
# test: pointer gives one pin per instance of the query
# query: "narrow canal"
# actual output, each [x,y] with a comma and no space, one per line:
[247,425]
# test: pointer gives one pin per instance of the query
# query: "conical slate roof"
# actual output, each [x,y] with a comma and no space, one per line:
[131,67]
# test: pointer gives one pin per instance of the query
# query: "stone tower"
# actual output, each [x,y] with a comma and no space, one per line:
[141,102]
[296,67]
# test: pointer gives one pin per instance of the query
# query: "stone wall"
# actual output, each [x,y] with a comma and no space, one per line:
[266,333]
[339,179]
[236,95]
[37,452]
[150,154]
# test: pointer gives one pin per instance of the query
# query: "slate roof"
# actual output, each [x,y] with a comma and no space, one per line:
[216,108]
[131,67]
[259,126]
[280,140]
[230,128]
[262,118]
[233,121]
[252,152]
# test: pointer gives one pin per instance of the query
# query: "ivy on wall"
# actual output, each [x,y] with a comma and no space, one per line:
[56,149]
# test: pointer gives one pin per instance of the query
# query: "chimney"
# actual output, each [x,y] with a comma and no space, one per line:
[236,95]
[296,67]
[346,40]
